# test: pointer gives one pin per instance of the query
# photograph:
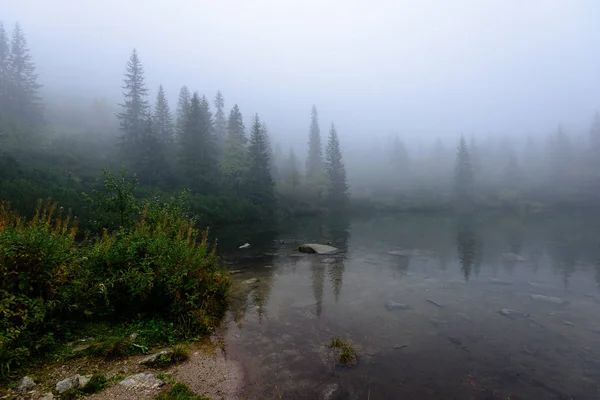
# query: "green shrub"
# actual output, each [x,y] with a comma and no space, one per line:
[160,268]
[96,384]
[35,259]
[179,391]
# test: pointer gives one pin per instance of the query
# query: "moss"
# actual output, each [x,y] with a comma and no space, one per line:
[179,391]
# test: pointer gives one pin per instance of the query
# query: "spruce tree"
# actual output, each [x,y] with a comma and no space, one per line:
[150,163]
[314,161]
[292,176]
[235,126]
[260,187]
[163,120]
[136,109]
[463,175]
[337,193]
[4,71]
[234,164]
[23,90]
[220,123]
[183,105]
[196,147]
[400,162]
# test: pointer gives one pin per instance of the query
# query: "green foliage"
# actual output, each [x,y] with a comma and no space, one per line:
[159,267]
[96,384]
[260,184]
[337,193]
[179,391]
[116,205]
[314,161]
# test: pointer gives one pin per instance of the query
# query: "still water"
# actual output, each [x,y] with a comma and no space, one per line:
[497,307]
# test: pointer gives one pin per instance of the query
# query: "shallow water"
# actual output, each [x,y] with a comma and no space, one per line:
[498,308]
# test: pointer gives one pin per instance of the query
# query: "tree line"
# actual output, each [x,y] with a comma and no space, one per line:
[198,145]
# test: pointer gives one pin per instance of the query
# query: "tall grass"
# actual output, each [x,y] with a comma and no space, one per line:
[160,267]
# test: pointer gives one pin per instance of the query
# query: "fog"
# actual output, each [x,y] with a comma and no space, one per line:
[417,68]
[502,73]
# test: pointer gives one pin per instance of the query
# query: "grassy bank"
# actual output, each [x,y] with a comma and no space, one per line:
[153,269]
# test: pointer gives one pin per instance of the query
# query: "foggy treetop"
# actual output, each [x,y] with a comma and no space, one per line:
[422,69]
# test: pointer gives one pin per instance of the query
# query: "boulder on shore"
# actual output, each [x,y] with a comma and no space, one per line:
[314,248]
[145,381]
[26,385]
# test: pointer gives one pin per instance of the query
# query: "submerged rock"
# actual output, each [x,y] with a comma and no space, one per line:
[401,253]
[250,281]
[494,281]
[514,314]
[513,257]
[314,248]
[548,299]
[328,260]
[26,385]
[392,305]
[142,381]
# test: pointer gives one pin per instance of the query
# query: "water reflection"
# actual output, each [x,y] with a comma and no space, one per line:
[451,340]
[468,245]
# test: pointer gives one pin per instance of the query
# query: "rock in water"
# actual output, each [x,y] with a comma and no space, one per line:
[314,248]
[25,385]
[392,305]
[401,253]
[514,314]
[513,257]
[250,281]
[142,381]
[548,299]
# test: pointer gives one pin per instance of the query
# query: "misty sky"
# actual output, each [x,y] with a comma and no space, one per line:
[430,68]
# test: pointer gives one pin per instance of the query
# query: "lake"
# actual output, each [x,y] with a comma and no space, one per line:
[494,307]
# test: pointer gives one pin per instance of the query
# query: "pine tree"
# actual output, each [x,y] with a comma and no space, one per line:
[183,105]
[475,159]
[337,193]
[314,162]
[292,176]
[260,182]
[150,164]
[23,90]
[220,123]
[512,174]
[235,126]
[135,107]
[4,71]
[463,175]
[400,162]
[234,164]
[196,147]
[163,120]
[272,162]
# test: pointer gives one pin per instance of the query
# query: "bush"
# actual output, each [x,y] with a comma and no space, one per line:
[161,267]
[35,259]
